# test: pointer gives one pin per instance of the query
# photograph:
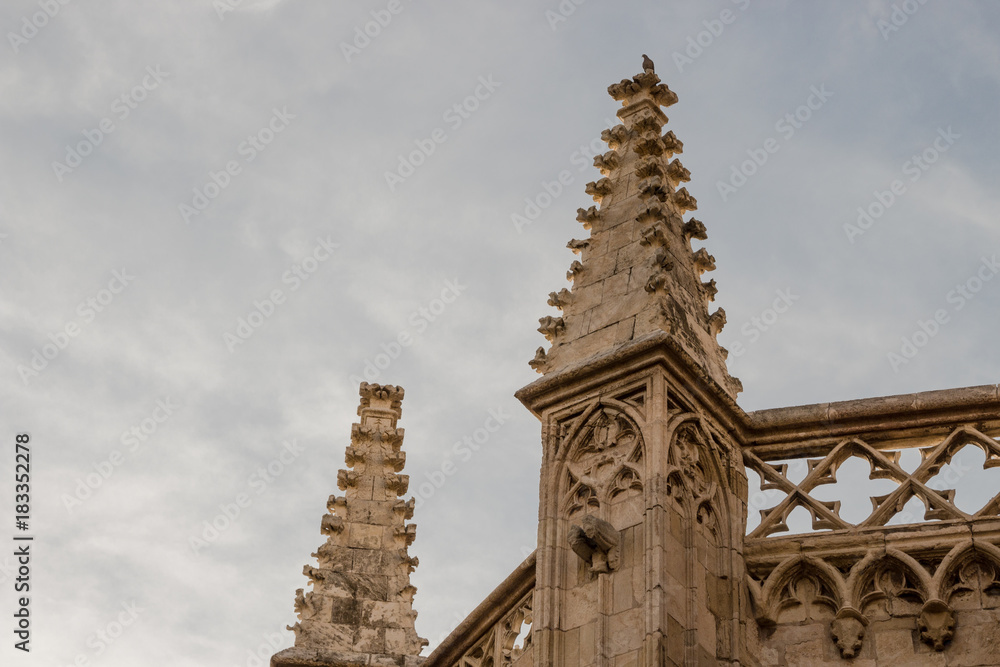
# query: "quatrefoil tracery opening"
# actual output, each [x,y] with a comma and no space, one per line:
[925,483]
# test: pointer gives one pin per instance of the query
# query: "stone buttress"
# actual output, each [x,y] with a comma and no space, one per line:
[359,611]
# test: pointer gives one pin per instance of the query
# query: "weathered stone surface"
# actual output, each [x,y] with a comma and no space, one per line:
[360,608]
[643,554]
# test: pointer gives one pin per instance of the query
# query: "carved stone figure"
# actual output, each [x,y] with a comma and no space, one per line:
[596,542]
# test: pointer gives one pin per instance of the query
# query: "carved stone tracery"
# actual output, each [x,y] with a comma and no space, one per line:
[606,462]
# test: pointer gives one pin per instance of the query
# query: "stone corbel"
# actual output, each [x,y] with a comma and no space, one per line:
[595,541]
[848,630]
[936,624]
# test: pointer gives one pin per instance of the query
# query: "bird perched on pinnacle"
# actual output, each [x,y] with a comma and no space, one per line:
[647,64]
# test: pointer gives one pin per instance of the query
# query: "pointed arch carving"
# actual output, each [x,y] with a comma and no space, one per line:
[803,581]
[890,576]
[970,567]
[695,473]
[602,456]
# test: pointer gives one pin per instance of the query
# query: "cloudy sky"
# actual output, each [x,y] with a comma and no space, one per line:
[215,216]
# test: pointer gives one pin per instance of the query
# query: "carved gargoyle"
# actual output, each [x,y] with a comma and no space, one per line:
[595,541]
[577,245]
[848,630]
[936,624]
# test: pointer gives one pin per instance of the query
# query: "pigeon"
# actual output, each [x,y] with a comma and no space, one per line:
[647,64]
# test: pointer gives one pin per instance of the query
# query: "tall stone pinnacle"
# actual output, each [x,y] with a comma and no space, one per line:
[359,611]
[637,273]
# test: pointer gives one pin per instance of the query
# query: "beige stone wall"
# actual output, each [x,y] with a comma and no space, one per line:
[889,641]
